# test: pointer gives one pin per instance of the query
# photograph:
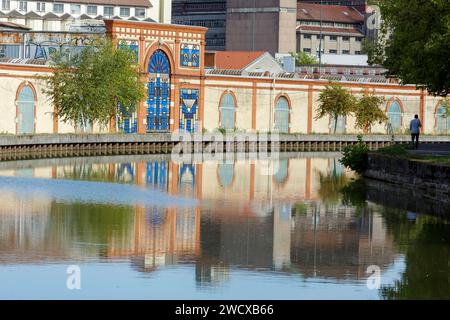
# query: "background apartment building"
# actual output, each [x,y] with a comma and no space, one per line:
[66,15]
[340,27]
[204,13]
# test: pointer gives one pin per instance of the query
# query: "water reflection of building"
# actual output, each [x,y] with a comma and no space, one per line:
[246,220]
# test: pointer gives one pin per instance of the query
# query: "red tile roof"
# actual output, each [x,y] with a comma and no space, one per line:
[330,13]
[327,30]
[235,60]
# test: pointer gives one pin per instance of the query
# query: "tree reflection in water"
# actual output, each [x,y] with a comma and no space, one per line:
[423,239]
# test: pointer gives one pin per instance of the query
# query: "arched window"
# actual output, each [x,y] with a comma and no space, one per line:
[340,125]
[442,120]
[282,115]
[395,116]
[158,103]
[227,111]
[226,174]
[26,105]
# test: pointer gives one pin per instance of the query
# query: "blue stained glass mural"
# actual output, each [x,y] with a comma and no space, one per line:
[190,55]
[189,110]
[158,103]
[132,46]
[127,121]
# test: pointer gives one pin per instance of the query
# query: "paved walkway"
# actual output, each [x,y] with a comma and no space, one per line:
[433,149]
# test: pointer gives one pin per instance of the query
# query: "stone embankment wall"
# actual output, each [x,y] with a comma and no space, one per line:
[429,179]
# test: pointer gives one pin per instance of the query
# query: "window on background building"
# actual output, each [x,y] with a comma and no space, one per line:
[227,112]
[139,12]
[75,9]
[345,38]
[108,12]
[333,38]
[345,51]
[442,121]
[124,12]
[358,39]
[306,36]
[40,7]
[6,5]
[23,6]
[357,52]
[91,10]
[332,51]
[395,116]
[58,8]
[307,50]
[282,115]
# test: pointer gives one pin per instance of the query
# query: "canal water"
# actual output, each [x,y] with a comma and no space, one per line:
[147,227]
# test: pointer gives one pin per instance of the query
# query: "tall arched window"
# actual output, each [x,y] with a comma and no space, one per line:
[158,92]
[282,115]
[26,105]
[340,125]
[395,116]
[227,111]
[442,120]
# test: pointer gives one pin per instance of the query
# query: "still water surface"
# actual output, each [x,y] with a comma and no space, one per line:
[144,227]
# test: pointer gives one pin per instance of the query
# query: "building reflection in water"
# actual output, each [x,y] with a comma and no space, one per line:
[283,222]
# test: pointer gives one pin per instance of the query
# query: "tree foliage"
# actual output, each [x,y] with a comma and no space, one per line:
[367,111]
[418,48]
[302,58]
[94,85]
[355,157]
[335,101]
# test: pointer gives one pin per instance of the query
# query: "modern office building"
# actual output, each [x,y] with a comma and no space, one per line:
[204,13]
[76,15]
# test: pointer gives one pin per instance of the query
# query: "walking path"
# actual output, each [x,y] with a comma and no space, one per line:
[441,149]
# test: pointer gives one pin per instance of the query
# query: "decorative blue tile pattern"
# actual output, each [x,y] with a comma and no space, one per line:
[132,46]
[190,55]
[189,110]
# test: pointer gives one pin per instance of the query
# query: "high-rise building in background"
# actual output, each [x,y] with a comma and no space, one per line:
[261,25]
[205,13]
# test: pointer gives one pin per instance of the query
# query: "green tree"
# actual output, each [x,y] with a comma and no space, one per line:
[335,101]
[417,49]
[367,111]
[302,58]
[95,85]
[374,50]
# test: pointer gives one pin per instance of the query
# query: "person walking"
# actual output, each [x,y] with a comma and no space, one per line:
[414,127]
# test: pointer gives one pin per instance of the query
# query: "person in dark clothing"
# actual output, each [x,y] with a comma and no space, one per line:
[414,127]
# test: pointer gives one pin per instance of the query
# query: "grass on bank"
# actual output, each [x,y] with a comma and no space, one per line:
[402,150]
